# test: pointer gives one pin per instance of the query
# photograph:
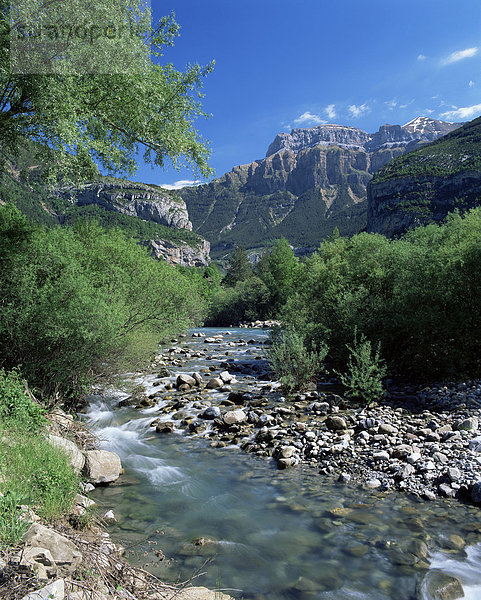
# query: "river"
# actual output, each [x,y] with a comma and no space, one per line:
[267,533]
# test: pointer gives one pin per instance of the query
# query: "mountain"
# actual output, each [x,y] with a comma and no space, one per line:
[310,182]
[152,215]
[425,185]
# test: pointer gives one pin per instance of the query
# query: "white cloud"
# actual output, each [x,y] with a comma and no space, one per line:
[180,184]
[357,111]
[391,104]
[463,113]
[471,84]
[331,111]
[308,117]
[460,55]
[421,57]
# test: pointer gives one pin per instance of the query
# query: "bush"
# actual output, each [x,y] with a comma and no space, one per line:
[365,371]
[292,363]
[79,303]
[17,408]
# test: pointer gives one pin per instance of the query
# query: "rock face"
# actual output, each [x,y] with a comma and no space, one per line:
[425,185]
[62,551]
[311,181]
[186,255]
[148,202]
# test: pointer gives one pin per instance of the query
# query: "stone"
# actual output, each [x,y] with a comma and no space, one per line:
[372,484]
[402,451]
[344,478]
[226,377]
[77,459]
[436,585]
[476,493]
[215,383]
[63,551]
[234,417]
[335,423]
[184,379]
[109,517]
[382,455]
[284,463]
[453,474]
[52,591]
[287,452]
[198,378]
[405,472]
[446,491]
[102,466]
[475,444]
[386,428]
[211,413]
[470,424]
[165,427]
[40,560]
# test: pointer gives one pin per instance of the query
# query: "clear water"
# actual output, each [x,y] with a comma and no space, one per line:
[273,534]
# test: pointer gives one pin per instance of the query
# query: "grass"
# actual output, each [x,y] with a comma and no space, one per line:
[32,471]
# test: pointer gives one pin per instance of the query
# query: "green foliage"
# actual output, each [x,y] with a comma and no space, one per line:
[12,527]
[37,472]
[17,408]
[247,301]
[292,363]
[365,371]
[82,302]
[238,267]
[86,108]
[417,296]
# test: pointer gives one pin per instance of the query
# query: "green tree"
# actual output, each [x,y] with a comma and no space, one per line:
[90,113]
[238,267]
[278,269]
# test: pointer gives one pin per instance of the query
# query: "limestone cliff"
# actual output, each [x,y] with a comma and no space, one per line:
[310,182]
[425,185]
[148,202]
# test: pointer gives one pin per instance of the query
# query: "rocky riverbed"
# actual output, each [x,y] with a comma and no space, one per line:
[423,440]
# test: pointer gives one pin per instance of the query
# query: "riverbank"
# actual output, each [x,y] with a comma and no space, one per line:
[422,440]
[75,558]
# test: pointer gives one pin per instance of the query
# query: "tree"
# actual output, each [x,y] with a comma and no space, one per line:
[96,101]
[238,267]
[278,269]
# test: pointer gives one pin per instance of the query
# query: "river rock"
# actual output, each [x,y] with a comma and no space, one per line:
[198,378]
[164,427]
[470,424]
[102,466]
[436,585]
[234,417]
[52,591]
[40,560]
[184,379]
[215,383]
[77,459]
[226,377]
[211,413]
[335,423]
[476,492]
[64,552]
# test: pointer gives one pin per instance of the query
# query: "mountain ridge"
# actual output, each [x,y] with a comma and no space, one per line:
[312,181]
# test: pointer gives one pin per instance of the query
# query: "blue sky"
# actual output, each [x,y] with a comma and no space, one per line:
[283,63]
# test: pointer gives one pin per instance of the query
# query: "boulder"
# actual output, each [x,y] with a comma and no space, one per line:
[102,466]
[39,560]
[77,459]
[226,376]
[165,427]
[476,493]
[436,585]
[63,551]
[52,591]
[198,378]
[211,413]
[215,383]
[234,417]
[335,423]
[184,379]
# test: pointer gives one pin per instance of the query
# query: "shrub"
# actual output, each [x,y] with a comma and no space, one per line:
[365,371]
[292,363]
[17,408]
[12,526]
